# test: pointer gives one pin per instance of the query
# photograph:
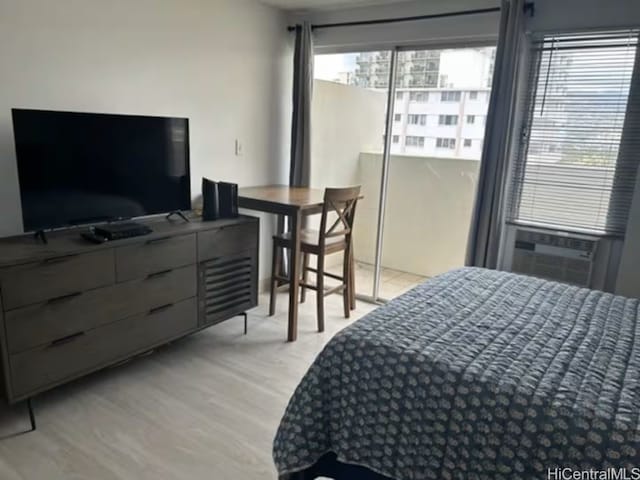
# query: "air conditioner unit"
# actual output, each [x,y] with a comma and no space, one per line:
[559,256]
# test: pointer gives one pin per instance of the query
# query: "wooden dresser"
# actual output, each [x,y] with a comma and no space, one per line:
[70,307]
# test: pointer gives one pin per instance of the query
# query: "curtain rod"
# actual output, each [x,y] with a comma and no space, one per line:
[528,8]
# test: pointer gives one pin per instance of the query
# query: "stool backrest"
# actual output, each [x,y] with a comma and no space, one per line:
[342,202]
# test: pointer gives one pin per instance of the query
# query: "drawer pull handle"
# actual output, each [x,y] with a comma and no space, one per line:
[62,298]
[159,274]
[64,258]
[67,339]
[160,309]
[158,240]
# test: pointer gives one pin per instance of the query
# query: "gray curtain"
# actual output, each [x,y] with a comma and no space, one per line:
[300,168]
[488,216]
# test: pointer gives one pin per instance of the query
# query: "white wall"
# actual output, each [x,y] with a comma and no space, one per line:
[224,64]
[629,271]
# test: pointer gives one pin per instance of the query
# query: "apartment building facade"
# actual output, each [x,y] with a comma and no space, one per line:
[440,122]
[441,102]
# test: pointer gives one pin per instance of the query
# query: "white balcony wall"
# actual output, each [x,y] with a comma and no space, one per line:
[416,130]
[427,216]
[346,121]
[446,131]
[419,107]
[448,108]
[474,131]
[475,107]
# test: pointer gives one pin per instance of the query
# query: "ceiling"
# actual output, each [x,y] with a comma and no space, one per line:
[324,4]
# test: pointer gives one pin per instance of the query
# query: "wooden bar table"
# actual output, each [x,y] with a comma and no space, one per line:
[294,203]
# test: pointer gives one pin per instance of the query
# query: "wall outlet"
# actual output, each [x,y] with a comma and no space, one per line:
[239,148]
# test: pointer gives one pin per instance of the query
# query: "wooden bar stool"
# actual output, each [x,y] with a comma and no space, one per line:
[329,239]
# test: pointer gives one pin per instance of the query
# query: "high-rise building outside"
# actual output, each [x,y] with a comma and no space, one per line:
[441,101]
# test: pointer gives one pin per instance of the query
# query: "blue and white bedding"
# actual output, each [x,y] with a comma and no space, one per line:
[474,374]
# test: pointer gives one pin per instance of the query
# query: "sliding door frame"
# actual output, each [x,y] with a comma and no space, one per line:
[384,177]
[386,155]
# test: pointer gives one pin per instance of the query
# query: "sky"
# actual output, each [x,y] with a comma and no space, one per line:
[327,67]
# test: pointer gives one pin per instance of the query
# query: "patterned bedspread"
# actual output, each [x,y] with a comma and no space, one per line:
[475,374]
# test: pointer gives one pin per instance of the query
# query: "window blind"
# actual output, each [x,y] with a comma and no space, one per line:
[580,149]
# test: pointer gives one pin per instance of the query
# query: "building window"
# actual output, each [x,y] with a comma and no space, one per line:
[397,117]
[417,119]
[471,119]
[446,143]
[399,95]
[448,120]
[473,95]
[450,96]
[419,96]
[414,141]
[576,166]
[396,139]
[467,142]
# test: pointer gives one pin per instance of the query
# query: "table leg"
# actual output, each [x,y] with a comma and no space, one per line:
[294,275]
[283,259]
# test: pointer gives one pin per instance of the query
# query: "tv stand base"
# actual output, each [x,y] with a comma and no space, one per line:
[179,214]
[32,417]
[40,235]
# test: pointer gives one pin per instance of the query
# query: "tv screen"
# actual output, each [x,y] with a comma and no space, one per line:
[77,168]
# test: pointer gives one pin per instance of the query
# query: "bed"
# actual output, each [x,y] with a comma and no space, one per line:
[474,374]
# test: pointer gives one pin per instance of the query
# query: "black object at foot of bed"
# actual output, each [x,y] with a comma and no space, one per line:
[329,466]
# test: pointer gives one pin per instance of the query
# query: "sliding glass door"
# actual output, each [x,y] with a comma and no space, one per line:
[418,181]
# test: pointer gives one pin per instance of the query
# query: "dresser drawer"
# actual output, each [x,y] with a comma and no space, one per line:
[225,240]
[79,354]
[56,277]
[42,323]
[156,255]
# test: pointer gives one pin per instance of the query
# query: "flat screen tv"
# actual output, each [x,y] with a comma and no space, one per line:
[79,168]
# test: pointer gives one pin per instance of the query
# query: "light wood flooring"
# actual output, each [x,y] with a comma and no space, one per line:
[205,407]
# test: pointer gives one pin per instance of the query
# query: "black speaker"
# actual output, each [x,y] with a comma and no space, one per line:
[228,199]
[210,206]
